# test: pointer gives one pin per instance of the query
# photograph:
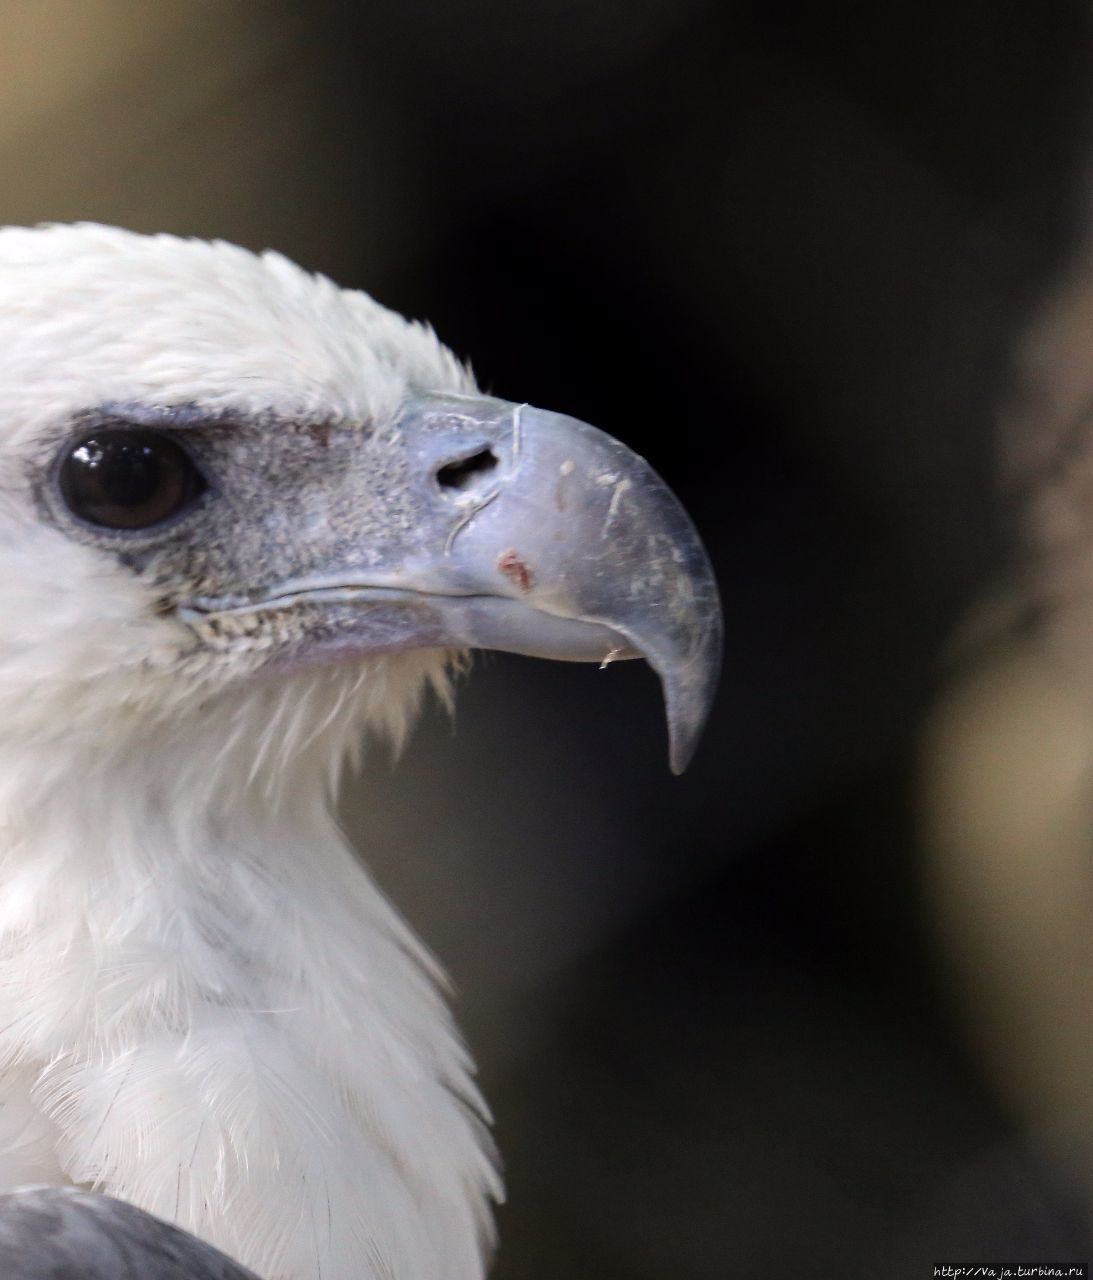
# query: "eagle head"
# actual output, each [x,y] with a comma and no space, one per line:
[235,496]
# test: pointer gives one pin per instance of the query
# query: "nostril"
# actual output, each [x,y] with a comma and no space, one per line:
[461,475]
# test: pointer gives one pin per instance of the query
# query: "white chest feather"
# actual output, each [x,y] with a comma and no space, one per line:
[226,1024]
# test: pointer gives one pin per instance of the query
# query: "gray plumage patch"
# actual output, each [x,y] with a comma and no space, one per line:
[59,1233]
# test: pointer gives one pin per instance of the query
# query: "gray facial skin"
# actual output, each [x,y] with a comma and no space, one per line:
[467,523]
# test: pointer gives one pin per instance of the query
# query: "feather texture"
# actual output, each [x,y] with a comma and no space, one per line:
[211,1011]
[207,1007]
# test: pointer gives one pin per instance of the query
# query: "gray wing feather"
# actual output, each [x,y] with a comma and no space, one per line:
[59,1233]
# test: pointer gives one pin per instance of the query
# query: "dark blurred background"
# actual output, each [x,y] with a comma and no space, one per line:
[788,252]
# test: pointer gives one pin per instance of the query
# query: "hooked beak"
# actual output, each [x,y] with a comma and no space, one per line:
[529,532]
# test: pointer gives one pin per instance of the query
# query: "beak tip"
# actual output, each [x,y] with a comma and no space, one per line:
[688,697]
[683,739]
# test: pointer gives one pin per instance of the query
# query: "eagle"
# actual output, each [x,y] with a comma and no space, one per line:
[247,520]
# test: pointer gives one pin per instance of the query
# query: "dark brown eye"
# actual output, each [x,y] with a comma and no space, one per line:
[123,479]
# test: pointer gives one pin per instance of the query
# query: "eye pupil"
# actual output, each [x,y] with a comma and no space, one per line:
[128,479]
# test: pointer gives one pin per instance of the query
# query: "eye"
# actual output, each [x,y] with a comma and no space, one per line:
[128,479]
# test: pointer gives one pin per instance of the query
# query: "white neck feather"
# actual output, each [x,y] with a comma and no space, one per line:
[219,1016]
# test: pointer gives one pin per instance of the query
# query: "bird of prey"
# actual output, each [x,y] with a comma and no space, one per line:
[247,518]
